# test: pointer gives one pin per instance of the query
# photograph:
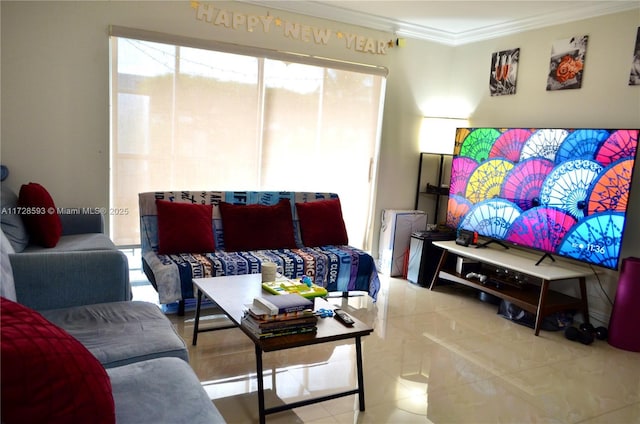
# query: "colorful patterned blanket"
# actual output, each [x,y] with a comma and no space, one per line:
[337,268]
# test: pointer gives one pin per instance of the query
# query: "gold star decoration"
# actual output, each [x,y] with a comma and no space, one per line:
[390,44]
[339,34]
[195,4]
[278,22]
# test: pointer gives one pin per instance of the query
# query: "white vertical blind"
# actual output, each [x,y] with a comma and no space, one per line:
[186,118]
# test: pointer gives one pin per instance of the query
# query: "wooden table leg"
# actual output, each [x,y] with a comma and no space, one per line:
[360,373]
[261,410]
[196,322]
[541,301]
[585,301]
[436,275]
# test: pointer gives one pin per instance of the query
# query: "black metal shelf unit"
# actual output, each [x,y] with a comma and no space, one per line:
[436,190]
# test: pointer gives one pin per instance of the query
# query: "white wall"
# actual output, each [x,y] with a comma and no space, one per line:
[436,81]
[55,81]
[55,93]
[605,99]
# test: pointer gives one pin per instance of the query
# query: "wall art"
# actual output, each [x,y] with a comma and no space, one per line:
[504,72]
[566,68]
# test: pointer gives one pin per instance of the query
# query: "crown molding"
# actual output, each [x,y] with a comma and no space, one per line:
[409,30]
[556,18]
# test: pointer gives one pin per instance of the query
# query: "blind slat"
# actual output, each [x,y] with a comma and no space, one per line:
[160,37]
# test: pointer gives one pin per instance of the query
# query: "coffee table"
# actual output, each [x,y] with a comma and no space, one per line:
[231,293]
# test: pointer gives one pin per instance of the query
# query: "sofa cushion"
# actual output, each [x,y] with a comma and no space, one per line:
[184,228]
[47,375]
[321,223]
[78,243]
[161,390]
[12,224]
[42,219]
[255,227]
[119,333]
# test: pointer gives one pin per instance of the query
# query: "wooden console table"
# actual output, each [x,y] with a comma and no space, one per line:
[539,300]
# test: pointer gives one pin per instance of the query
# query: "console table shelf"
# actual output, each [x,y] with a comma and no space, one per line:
[537,299]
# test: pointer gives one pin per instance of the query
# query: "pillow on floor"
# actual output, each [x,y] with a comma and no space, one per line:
[256,227]
[184,228]
[41,216]
[48,376]
[321,223]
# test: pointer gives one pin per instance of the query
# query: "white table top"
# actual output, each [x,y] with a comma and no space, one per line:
[519,260]
[232,292]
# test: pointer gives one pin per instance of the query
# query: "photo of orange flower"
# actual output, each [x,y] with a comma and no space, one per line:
[567,63]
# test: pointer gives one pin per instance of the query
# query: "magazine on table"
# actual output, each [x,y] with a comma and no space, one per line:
[275,304]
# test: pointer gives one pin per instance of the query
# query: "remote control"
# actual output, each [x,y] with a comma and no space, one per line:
[342,316]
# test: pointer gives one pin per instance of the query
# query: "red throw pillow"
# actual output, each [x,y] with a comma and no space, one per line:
[184,228]
[321,223]
[48,376]
[40,215]
[255,227]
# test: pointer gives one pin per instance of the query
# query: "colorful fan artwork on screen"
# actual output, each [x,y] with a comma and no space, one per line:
[560,191]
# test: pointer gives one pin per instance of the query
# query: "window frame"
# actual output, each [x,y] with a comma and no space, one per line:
[260,54]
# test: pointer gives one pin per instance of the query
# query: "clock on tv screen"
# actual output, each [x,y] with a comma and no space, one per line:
[560,191]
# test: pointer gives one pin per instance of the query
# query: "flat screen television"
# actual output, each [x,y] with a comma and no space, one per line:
[560,191]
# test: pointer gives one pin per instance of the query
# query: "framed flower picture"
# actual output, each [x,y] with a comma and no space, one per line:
[566,68]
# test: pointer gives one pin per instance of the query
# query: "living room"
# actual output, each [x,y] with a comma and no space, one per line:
[56,133]
[55,93]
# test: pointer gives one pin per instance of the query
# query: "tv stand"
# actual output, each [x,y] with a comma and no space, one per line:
[488,242]
[534,298]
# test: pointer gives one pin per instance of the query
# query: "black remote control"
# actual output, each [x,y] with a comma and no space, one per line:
[342,316]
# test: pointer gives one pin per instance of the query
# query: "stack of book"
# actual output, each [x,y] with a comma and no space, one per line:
[280,315]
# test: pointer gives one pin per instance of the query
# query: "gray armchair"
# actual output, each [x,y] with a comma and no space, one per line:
[82,227]
[82,230]
[87,293]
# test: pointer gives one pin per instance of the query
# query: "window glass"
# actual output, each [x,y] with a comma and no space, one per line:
[185,118]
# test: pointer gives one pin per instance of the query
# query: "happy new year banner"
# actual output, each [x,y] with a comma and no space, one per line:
[211,14]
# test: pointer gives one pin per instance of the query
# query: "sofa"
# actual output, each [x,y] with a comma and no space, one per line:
[32,222]
[197,234]
[76,348]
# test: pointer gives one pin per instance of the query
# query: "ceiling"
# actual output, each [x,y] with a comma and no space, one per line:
[453,22]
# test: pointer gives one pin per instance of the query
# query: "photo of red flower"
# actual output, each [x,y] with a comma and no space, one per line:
[567,63]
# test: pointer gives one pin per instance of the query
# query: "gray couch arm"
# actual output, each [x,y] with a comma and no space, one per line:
[63,279]
[81,221]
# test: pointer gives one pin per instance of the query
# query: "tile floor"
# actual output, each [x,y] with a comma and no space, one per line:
[437,356]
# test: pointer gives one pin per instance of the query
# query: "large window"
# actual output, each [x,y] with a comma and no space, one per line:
[186,118]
